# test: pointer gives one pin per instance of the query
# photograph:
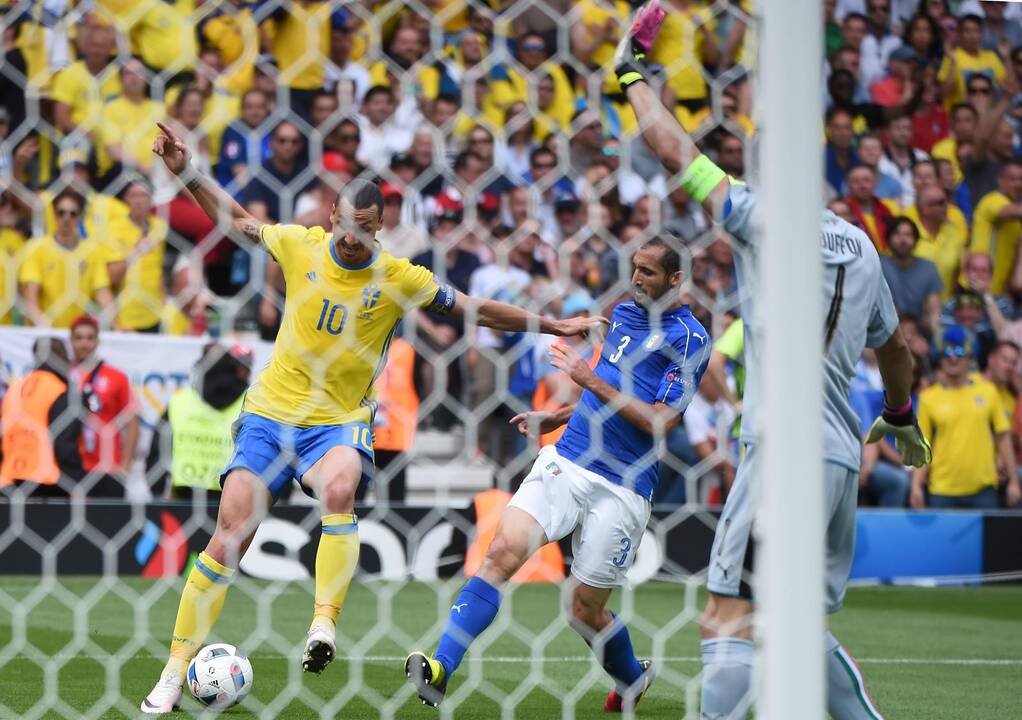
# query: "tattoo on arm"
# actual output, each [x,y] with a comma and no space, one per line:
[193,184]
[250,229]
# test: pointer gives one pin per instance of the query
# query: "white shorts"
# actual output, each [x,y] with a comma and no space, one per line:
[607,519]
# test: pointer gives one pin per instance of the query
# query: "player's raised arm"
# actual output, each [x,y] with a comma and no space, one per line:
[211,197]
[662,132]
[503,316]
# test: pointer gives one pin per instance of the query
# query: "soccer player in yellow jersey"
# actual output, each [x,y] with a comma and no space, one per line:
[310,413]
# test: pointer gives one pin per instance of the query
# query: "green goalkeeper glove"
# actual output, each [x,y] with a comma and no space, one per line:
[908,438]
[630,55]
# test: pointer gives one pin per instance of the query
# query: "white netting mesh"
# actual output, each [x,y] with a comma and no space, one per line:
[518,175]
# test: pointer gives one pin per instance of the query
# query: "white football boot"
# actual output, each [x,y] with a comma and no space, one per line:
[165,697]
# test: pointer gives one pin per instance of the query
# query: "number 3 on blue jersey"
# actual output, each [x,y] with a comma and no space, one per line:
[626,545]
[620,349]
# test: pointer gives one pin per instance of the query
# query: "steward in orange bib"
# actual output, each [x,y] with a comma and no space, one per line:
[41,426]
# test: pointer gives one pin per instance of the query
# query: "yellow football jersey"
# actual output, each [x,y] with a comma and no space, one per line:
[11,244]
[140,300]
[85,93]
[68,277]
[338,323]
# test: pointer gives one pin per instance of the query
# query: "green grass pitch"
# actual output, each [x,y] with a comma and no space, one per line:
[94,647]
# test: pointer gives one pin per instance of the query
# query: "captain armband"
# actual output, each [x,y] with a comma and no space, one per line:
[443,301]
[701,177]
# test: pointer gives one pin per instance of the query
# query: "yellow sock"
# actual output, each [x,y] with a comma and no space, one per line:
[336,560]
[201,603]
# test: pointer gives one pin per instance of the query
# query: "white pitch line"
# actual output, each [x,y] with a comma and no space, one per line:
[518,660]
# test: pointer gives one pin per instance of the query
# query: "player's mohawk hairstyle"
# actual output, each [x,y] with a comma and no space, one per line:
[362,194]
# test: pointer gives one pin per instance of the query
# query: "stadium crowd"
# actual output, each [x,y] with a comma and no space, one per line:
[510,166]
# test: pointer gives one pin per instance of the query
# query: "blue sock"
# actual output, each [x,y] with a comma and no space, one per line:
[472,612]
[618,656]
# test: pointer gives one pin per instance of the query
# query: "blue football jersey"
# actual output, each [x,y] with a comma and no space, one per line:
[657,357]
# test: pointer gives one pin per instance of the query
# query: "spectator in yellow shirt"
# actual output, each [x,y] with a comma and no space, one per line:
[997,224]
[162,34]
[63,273]
[940,240]
[687,42]
[232,31]
[964,119]
[960,63]
[80,89]
[509,86]
[128,128]
[1001,372]
[141,240]
[925,174]
[11,244]
[300,34]
[969,431]
[405,50]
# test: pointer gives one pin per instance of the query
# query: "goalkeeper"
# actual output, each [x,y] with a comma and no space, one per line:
[859,312]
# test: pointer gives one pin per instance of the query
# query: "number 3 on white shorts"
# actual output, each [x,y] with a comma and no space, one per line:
[620,560]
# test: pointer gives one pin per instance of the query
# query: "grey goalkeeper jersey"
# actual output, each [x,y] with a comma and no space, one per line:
[858,312]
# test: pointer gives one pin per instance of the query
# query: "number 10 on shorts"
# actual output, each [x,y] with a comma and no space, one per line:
[361,437]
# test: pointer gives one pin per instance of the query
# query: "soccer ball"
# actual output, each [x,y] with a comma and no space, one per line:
[219,677]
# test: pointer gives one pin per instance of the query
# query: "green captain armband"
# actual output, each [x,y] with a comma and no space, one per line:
[701,177]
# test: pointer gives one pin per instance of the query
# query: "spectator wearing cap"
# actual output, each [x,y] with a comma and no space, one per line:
[896,87]
[63,273]
[398,238]
[192,441]
[381,137]
[287,162]
[969,431]
[347,78]
[967,60]
[882,475]
[899,156]
[300,42]
[997,225]
[244,146]
[915,283]
[79,90]
[879,45]
[567,215]
[41,427]
[453,264]
[137,247]
[871,214]
[110,428]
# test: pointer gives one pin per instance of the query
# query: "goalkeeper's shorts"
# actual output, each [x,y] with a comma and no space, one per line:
[732,558]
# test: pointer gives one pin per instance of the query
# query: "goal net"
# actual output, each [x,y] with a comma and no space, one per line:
[510,165]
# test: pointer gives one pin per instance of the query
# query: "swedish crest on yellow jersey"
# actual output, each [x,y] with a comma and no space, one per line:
[337,326]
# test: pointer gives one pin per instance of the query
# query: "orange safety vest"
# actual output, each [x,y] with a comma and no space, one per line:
[25,416]
[398,410]
[541,400]
[547,565]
